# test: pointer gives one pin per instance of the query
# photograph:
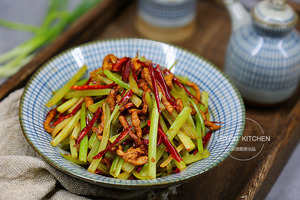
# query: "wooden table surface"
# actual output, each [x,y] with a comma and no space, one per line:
[231,179]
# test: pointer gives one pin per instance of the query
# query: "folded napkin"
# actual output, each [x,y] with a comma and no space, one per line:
[24,175]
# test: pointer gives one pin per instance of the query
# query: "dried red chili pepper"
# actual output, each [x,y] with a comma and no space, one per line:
[133,72]
[117,140]
[93,87]
[166,95]
[164,138]
[159,77]
[145,141]
[118,65]
[128,141]
[61,118]
[195,151]
[126,71]
[176,170]
[139,168]
[88,81]
[85,130]
[158,140]
[126,97]
[177,82]
[97,171]
[206,138]
[155,89]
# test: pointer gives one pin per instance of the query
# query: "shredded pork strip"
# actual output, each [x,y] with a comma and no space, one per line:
[135,156]
[48,120]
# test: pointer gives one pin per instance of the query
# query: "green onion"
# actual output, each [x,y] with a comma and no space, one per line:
[56,20]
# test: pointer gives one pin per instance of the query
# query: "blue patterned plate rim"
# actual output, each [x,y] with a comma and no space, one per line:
[134,184]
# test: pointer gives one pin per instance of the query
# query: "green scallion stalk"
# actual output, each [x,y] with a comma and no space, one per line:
[56,19]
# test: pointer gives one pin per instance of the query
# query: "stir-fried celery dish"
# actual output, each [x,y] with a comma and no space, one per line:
[131,119]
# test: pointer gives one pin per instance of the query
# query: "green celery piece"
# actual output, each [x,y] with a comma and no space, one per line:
[120,164]
[84,143]
[92,140]
[136,100]
[128,167]
[133,83]
[124,176]
[73,149]
[93,108]
[65,106]
[118,81]
[139,176]
[180,165]
[75,131]
[66,130]
[114,164]
[63,91]
[188,159]
[93,151]
[81,93]
[200,126]
[153,141]
[186,140]
[105,136]
[199,140]
[74,160]
[178,123]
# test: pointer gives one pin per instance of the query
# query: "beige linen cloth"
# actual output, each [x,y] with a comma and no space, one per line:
[24,175]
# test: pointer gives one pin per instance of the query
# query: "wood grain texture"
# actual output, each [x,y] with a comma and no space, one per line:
[231,179]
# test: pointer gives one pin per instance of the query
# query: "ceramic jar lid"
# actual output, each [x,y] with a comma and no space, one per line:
[274,13]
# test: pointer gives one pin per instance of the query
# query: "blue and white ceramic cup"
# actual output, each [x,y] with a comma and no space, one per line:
[166,20]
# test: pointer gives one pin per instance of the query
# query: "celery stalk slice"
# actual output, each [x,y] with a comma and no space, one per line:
[66,130]
[63,91]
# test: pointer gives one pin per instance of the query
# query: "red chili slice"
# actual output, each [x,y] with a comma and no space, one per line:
[89,126]
[61,118]
[118,139]
[126,97]
[118,65]
[93,87]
